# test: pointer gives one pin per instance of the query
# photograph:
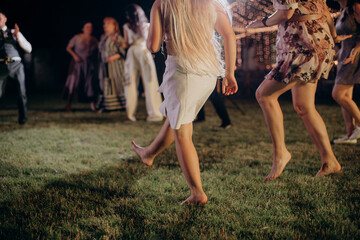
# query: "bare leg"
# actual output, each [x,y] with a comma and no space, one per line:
[189,163]
[267,95]
[68,105]
[304,104]
[343,95]
[92,106]
[164,138]
[349,121]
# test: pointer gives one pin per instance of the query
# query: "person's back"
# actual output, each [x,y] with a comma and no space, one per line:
[189,34]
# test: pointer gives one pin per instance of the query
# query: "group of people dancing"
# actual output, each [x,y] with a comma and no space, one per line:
[305,53]
[106,74]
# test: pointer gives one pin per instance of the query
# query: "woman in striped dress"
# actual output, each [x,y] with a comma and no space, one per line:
[111,70]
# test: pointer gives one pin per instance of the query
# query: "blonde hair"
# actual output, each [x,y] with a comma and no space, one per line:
[190,26]
[113,20]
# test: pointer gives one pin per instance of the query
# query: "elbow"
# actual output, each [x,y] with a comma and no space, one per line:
[28,49]
[286,14]
[152,47]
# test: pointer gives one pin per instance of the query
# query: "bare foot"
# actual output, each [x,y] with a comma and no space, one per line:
[145,157]
[195,200]
[278,166]
[100,110]
[329,168]
[92,106]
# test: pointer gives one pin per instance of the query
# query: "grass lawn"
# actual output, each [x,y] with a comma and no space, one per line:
[74,176]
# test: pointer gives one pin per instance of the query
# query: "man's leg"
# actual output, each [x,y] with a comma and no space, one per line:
[17,72]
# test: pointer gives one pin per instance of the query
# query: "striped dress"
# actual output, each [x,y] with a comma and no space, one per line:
[111,75]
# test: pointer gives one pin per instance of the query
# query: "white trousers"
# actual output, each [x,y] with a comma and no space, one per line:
[139,62]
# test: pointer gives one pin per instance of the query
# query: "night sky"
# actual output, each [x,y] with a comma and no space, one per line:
[49,25]
[52,23]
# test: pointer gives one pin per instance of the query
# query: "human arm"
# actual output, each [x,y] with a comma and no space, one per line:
[278,17]
[356,50]
[69,49]
[224,28]
[126,36]
[155,37]
[23,43]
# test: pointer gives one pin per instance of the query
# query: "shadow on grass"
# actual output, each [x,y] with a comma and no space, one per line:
[70,201]
[88,205]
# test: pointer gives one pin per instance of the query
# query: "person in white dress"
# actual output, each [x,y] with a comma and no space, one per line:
[192,66]
[139,62]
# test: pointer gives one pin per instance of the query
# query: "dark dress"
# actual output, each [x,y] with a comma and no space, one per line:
[82,81]
[348,74]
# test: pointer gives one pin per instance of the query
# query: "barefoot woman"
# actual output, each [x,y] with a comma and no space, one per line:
[192,66]
[305,43]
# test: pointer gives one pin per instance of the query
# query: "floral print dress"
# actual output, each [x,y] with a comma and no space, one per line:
[305,49]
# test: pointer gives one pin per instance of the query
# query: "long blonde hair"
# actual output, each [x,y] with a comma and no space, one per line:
[190,26]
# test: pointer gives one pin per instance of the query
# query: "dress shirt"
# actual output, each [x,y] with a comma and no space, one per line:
[24,44]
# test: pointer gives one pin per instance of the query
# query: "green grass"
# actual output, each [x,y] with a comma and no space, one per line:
[74,176]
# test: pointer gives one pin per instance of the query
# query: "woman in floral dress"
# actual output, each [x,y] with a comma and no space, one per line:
[305,52]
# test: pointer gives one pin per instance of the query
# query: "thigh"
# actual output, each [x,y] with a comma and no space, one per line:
[343,90]
[273,88]
[303,94]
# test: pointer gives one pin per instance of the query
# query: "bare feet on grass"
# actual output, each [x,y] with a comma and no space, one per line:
[329,168]
[146,158]
[195,199]
[279,163]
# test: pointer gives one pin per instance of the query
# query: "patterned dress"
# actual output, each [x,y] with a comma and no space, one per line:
[82,80]
[111,75]
[348,74]
[305,49]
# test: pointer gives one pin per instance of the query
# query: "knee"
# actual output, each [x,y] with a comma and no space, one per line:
[183,136]
[260,96]
[337,96]
[301,109]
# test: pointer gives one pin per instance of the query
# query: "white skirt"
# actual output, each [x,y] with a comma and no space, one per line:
[184,93]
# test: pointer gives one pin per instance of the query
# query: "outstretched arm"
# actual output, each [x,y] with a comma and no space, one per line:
[155,37]
[24,44]
[223,27]
[278,17]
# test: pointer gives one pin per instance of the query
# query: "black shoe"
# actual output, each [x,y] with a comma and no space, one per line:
[22,121]
[225,125]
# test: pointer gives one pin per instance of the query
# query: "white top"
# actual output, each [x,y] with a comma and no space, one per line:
[24,44]
[134,37]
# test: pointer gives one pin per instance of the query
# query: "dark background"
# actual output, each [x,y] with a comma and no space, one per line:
[49,25]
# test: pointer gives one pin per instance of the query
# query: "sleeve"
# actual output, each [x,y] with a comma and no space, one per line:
[285,4]
[120,50]
[72,41]
[24,44]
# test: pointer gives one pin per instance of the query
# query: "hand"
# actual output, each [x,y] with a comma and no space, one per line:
[77,58]
[255,24]
[229,85]
[113,58]
[340,38]
[17,30]
[352,56]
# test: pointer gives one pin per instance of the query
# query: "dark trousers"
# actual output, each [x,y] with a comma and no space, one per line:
[218,102]
[16,72]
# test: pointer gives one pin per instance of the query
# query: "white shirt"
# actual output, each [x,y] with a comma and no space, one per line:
[24,44]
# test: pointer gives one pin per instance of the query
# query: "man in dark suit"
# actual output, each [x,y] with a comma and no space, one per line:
[10,62]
